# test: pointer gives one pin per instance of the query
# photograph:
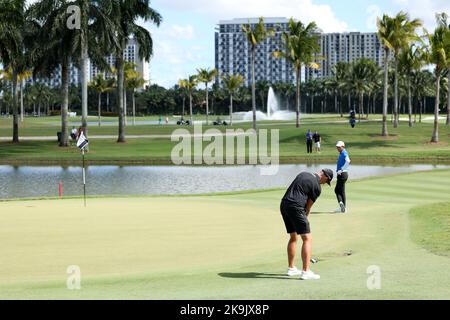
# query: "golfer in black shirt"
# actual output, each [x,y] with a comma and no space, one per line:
[295,208]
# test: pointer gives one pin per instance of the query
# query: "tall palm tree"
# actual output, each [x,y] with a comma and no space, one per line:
[182,83]
[15,35]
[359,77]
[190,84]
[255,34]
[206,76]
[340,71]
[442,20]
[410,59]
[134,81]
[301,49]
[100,85]
[232,83]
[386,34]
[438,56]
[126,14]
[400,31]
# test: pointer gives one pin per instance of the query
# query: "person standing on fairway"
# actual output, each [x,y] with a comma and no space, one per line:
[309,141]
[295,208]
[342,176]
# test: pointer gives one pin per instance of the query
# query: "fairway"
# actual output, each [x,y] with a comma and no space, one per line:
[229,246]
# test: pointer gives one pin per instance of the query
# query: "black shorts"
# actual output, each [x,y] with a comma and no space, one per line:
[294,218]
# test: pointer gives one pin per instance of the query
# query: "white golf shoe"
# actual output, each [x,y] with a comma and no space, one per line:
[342,206]
[309,275]
[293,272]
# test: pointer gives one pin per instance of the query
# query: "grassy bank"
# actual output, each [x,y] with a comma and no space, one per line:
[224,247]
[364,144]
[430,227]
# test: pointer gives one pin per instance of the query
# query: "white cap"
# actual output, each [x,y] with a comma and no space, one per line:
[340,144]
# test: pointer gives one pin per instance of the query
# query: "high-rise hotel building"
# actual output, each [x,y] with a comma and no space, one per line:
[233,51]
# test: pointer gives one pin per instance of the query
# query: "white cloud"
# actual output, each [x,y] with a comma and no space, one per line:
[373,12]
[304,10]
[181,32]
[424,10]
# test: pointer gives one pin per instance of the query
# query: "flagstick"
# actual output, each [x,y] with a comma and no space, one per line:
[84,179]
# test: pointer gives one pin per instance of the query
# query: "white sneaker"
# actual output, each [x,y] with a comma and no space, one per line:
[293,272]
[309,275]
[342,205]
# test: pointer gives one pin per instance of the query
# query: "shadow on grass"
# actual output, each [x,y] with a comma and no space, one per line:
[322,212]
[255,275]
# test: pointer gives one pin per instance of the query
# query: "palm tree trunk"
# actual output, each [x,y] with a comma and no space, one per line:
[298,98]
[349,102]
[395,94]
[120,105]
[360,106]
[253,88]
[15,109]
[99,109]
[84,80]
[134,108]
[231,109]
[409,105]
[448,99]
[207,102]
[421,110]
[190,107]
[125,107]
[182,112]
[107,102]
[384,130]
[335,103]
[21,101]
[435,136]
[65,73]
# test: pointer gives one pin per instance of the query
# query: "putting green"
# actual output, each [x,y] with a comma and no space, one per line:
[223,246]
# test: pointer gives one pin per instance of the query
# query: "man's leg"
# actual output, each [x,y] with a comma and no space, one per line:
[292,248]
[338,189]
[306,250]
[344,180]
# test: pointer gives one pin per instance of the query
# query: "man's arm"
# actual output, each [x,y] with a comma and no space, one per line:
[309,204]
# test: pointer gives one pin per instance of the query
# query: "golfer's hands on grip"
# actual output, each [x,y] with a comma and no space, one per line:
[339,172]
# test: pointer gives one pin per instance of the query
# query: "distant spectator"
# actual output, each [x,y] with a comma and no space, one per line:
[317,140]
[309,141]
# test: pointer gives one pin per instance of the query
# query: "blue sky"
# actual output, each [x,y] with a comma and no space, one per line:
[185,39]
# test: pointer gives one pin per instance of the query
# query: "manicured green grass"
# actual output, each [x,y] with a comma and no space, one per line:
[224,247]
[430,227]
[364,144]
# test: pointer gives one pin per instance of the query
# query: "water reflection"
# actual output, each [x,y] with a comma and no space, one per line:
[36,181]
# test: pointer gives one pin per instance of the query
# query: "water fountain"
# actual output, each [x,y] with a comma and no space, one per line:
[273,111]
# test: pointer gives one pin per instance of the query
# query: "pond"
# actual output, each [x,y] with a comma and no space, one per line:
[39,181]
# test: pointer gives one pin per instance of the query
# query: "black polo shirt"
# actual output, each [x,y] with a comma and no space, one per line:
[305,186]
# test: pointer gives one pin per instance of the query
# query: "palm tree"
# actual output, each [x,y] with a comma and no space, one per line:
[134,81]
[190,84]
[340,71]
[399,32]
[438,56]
[255,34]
[96,16]
[206,76]
[301,46]
[359,77]
[100,85]
[232,83]
[442,19]
[386,34]
[126,14]
[262,88]
[410,59]
[182,83]
[15,33]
